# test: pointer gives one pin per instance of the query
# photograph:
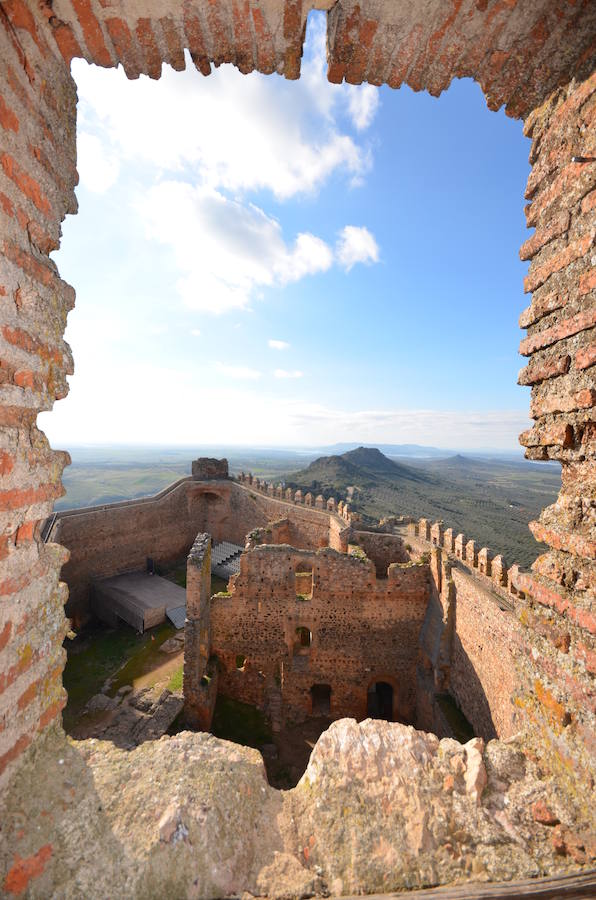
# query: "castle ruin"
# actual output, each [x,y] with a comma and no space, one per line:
[381,807]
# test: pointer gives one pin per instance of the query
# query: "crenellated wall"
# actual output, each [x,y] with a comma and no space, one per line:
[513,662]
[119,537]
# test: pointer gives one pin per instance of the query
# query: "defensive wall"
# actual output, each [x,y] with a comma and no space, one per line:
[537,59]
[513,660]
[361,630]
[119,537]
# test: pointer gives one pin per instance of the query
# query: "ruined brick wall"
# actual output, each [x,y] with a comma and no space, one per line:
[483,674]
[37,179]
[383,549]
[206,468]
[200,679]
[561,341]
[118,537]
[363,630]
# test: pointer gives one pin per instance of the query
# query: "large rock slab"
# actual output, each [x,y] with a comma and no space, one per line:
[381,807]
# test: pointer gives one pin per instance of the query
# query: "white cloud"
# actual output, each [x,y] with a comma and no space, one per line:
[225,250]
[238,132]
[284,373]
[278,345]
[363,101]
[98,168]
[244,373]
[196,332]
[356,245]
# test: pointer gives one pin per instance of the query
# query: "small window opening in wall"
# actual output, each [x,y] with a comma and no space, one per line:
[240,662]
[303,583]
[379,701]
[303,640]
[320,695]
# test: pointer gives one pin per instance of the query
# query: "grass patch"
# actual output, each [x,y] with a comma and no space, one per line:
[175,682]
[240,723]
[97,654]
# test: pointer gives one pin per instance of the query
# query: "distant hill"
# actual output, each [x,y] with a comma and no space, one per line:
[400,450]
[491,501]
[364,466]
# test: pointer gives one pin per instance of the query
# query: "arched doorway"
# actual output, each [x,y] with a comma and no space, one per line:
[379,701]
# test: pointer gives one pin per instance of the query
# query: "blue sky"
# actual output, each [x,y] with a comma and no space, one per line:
[292,263]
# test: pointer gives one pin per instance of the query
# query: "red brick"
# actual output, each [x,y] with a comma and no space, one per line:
[52,712]
[25,341]
[92,33]
[535,372]
[175,53]
[124,45]
[25,182]
[19,497]
[25,532]
[553,229]
[29,695]
[587,282]
[573,251]
[67,42]
[21,16]
[8,757]
[24,870]
[243,39]
[563,329]
[585,357]
[264,42]
[563,540]
[8,119]
[5,635]
[148,45]
[562,402]
[17,416]
[6,463]
[559,435]
[196,43]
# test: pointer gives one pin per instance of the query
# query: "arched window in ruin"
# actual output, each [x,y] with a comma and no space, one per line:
[303,640]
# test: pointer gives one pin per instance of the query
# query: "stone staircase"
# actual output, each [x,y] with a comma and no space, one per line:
[225,559]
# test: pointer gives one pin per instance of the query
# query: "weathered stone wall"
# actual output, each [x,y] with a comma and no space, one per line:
[363,630]
[37,179]
[383,549]
[118,537]
[200,680]
[508,659]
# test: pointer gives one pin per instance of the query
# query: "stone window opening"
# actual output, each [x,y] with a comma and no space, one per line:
[320,696]
[303,581]
[303,641]
[240,662]
[380,700]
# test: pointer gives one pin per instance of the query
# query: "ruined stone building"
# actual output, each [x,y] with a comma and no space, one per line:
[381,806]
